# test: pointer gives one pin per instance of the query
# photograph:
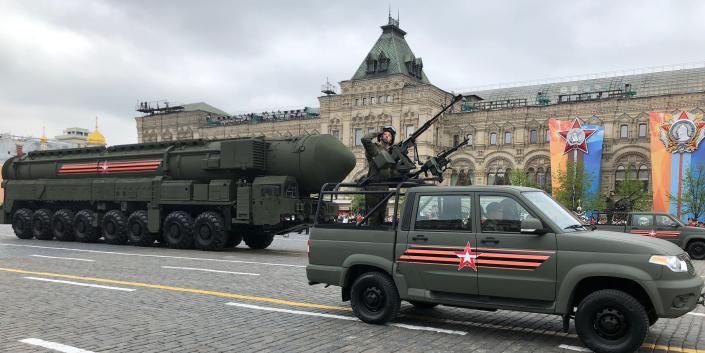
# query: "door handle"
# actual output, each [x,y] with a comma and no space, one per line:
[489,240]
[419,237]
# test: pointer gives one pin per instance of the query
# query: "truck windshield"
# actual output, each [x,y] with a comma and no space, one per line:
[557,213]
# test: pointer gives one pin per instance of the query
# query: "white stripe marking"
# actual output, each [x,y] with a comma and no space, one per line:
[81,284]
[574,348]
[209,270]
[696,314]
[53,346]
[341,317]
[156,256]
[63,258]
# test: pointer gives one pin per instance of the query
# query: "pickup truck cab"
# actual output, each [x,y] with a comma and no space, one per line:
[503,247]
[657,225]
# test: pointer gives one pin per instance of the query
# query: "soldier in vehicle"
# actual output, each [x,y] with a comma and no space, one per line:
[376,143]
[495,213]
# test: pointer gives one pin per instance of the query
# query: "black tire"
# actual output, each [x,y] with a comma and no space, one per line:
[114,227]
[234,239]
[258,240]
[696,250]
[62,225]
[611,321]
[422,305]
[209,231]
[83,226]
[374,298]
[41,224]
[178,230]
[137,232]
[22,223]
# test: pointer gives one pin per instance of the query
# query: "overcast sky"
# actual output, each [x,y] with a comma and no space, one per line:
[62,63]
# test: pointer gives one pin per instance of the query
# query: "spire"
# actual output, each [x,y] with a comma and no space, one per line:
[43,141]
[95,138]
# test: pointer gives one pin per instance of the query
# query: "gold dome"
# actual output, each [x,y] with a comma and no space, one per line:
[44,139]
[95,138]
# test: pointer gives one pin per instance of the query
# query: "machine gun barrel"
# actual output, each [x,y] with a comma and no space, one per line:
[411,139]
[436,165]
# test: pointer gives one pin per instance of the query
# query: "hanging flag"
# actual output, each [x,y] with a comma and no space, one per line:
[571,140]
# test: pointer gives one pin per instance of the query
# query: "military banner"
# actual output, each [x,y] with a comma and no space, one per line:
[571,140]
[675,139]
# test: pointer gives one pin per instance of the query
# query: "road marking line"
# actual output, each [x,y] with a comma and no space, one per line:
[493,326]
[53,346]
[209,270]
[696,314]
[156,256]
[81,284]
[660,347]
[63,258]
[574,348]
[180,289]
[347,318]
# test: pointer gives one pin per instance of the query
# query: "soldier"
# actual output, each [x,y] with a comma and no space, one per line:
[376,143]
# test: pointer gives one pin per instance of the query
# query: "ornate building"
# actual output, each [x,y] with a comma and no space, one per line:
[507,127]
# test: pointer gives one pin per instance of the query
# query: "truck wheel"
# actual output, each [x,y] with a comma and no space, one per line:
[374,298]
[115,228]
[234,239]
[22,223]
[259,240]
[41,224]
[611,321]
[653,317]
[422,305]
[696,250]
[62,225]
[137,231]
[83,227]
[178,230]
[209,231]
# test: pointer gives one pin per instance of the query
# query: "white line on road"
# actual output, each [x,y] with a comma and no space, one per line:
[347,318]
[53,346]
[62,258]
[81,284]
[209,270]
[574,348]
[156,256]
[696,314]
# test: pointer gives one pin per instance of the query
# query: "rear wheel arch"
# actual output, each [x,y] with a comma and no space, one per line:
[350,274]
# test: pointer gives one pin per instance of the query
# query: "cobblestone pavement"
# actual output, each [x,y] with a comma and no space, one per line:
[241,300]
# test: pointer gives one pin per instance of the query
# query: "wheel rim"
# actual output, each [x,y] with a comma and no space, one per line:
[59,227]
[136,229]
[372,298]
[81,227]
[610,324]
[205,232]
[174,231]
[698,251]
[110,228]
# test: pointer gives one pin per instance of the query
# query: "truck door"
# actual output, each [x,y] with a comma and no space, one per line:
[441,247]
[641,224]
[512,265]
[668,228]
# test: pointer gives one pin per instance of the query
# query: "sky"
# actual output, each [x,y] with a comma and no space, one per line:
[64,63]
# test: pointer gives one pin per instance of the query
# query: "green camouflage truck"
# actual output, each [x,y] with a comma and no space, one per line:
[207,194]
[503,247]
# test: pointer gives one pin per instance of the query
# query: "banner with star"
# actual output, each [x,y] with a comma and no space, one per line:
[571,140]
[675,141]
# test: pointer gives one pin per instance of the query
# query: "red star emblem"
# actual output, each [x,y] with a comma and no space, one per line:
[104,167]
[467,258]
[576,137]
[652,233]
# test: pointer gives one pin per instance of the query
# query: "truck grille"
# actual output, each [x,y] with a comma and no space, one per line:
[686,258]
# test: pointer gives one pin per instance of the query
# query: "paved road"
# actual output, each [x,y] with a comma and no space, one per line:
[78,298]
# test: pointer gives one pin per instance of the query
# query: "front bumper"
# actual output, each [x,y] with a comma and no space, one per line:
[677,297]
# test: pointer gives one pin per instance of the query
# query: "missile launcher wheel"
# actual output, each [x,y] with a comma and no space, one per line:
[256,238]
[62,225]
[209,231]
[137,232]
[41,224]
[115,227]
[83,226]
[234,239]
[178,230]
[22,223]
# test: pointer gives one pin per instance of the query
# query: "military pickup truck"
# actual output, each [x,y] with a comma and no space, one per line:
[656,225]
[503,247]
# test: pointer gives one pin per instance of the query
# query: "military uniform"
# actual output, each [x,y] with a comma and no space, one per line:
[372,149]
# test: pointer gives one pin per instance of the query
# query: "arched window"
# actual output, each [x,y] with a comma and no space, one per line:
[493,138]
[619,176]
[461,177]
[643,176]
[500,177]
[454,178]
[533,137]
[531,176]
[540,177]
[491,177]
[507,176]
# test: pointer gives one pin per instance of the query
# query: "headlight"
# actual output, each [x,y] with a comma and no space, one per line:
[672,262]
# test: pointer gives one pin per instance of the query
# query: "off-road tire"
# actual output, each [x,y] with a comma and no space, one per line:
[696,250]
[137,231]
[22,223]
[41,224]
[422,305]
[611,321]
[83,228]
[62,225]
[374,298]
[178,230]
[234,239]
[258,240]
[115,227]
[209,231]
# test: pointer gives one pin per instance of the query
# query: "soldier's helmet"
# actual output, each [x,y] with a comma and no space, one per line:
[391,130]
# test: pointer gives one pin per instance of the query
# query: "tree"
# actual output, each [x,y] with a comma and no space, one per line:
[518,177]
[632,194]
[692,199]
[574,188]
[357,204]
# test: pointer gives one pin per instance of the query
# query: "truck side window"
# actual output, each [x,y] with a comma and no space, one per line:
[271,190]
[444,212]
[664,221]
[501,214]
[292,191]
[642,220]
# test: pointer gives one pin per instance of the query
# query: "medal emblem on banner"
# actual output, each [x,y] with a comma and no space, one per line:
[682,134]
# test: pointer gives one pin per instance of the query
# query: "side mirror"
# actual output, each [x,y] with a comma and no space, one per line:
[532,226]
